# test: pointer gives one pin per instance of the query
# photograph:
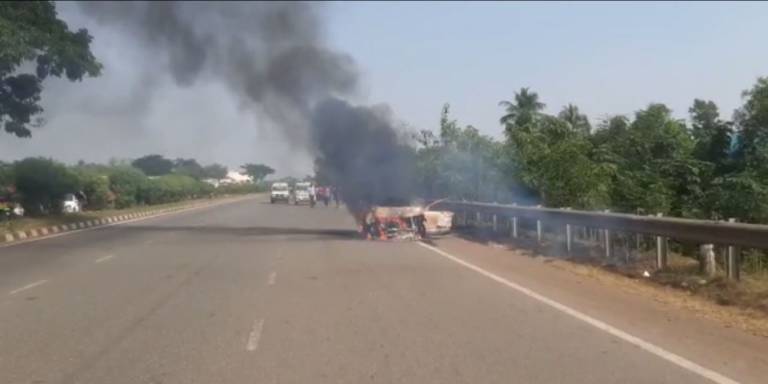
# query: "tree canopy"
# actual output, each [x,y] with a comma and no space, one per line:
[523,111]
[31,32]
[707,167]
[188,167]
[154,165]
[215,171]
[257,171]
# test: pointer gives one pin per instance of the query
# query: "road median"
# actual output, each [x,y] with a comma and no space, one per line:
[38,228]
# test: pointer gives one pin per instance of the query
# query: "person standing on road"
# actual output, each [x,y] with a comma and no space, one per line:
[335,194]
[326,195]
[312,195]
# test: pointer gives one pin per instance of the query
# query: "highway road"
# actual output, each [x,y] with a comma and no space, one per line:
[249,292]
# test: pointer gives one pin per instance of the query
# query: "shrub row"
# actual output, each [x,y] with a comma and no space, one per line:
[40,184]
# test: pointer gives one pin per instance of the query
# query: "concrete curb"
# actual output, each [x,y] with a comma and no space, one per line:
[42,232]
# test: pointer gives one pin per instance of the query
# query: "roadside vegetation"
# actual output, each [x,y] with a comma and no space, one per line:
[707,167]
[703,167]
[39,185]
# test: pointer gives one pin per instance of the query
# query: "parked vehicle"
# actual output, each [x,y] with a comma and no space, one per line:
[279,192]
[70,204]
[10,208]
[303,192]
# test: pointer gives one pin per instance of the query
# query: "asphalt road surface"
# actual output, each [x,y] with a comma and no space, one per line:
[249,292]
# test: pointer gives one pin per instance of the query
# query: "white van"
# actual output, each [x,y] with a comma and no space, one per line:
[302,193]
[279,192]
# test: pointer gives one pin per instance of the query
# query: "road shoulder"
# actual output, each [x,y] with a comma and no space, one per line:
[726,348]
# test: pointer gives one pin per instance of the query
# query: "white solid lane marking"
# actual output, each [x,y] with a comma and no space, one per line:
[28,286]
[254,336]
[652,348]
[272,278]
[103,259]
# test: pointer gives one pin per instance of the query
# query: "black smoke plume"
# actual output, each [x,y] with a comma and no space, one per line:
[362,155]
[274,57]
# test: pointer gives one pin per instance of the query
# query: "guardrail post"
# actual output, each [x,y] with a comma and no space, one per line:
[478,219]
[607,239]
[733,260]
[638,237]
[514,225]
[538,228]
[707,255]
[495,223]
[568,239]
[661,250]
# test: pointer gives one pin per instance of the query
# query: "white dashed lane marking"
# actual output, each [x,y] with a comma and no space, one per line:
[254,336]
[103,259]
[28,286]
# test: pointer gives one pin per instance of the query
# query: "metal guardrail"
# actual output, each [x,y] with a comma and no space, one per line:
[701,231]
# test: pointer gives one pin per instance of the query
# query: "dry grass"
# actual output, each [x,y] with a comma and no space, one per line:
[742,304]
[702,301]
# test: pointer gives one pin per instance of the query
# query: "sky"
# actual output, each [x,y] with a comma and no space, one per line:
[607,58]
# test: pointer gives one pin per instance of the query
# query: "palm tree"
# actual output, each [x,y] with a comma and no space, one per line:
[577,121]
[522,111]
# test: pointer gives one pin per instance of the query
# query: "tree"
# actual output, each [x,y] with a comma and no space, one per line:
[712,136]
[752,122]
[576,121]
[6,177]
[95,186]
[651,155]
[739,195]
[215,171]
[153,165]
[556,161]
[169,188]
[711,163]
[189,167]
[126,183]
[449,129]
[523,111]
[42,183]
[426,138]
[30,31]
[462,163]
[257,171]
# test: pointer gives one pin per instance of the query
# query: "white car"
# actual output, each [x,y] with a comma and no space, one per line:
[70,204]
[279,192]
[302,193]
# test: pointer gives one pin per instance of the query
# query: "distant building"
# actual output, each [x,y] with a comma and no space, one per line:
[214,182]
[234,177]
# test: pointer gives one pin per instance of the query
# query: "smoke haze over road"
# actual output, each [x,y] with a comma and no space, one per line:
[192,67]
[228,82]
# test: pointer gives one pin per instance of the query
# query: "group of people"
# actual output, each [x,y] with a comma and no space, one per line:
[324,194]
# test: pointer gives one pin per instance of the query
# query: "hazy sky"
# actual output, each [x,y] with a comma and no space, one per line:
[606,58]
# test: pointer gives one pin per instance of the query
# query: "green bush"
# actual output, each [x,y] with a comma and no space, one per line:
[95,186]
[42,183]
[126,183]
[172,188]
[6,176]
[235,189]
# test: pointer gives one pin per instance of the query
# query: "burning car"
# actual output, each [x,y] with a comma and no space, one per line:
[404,223]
